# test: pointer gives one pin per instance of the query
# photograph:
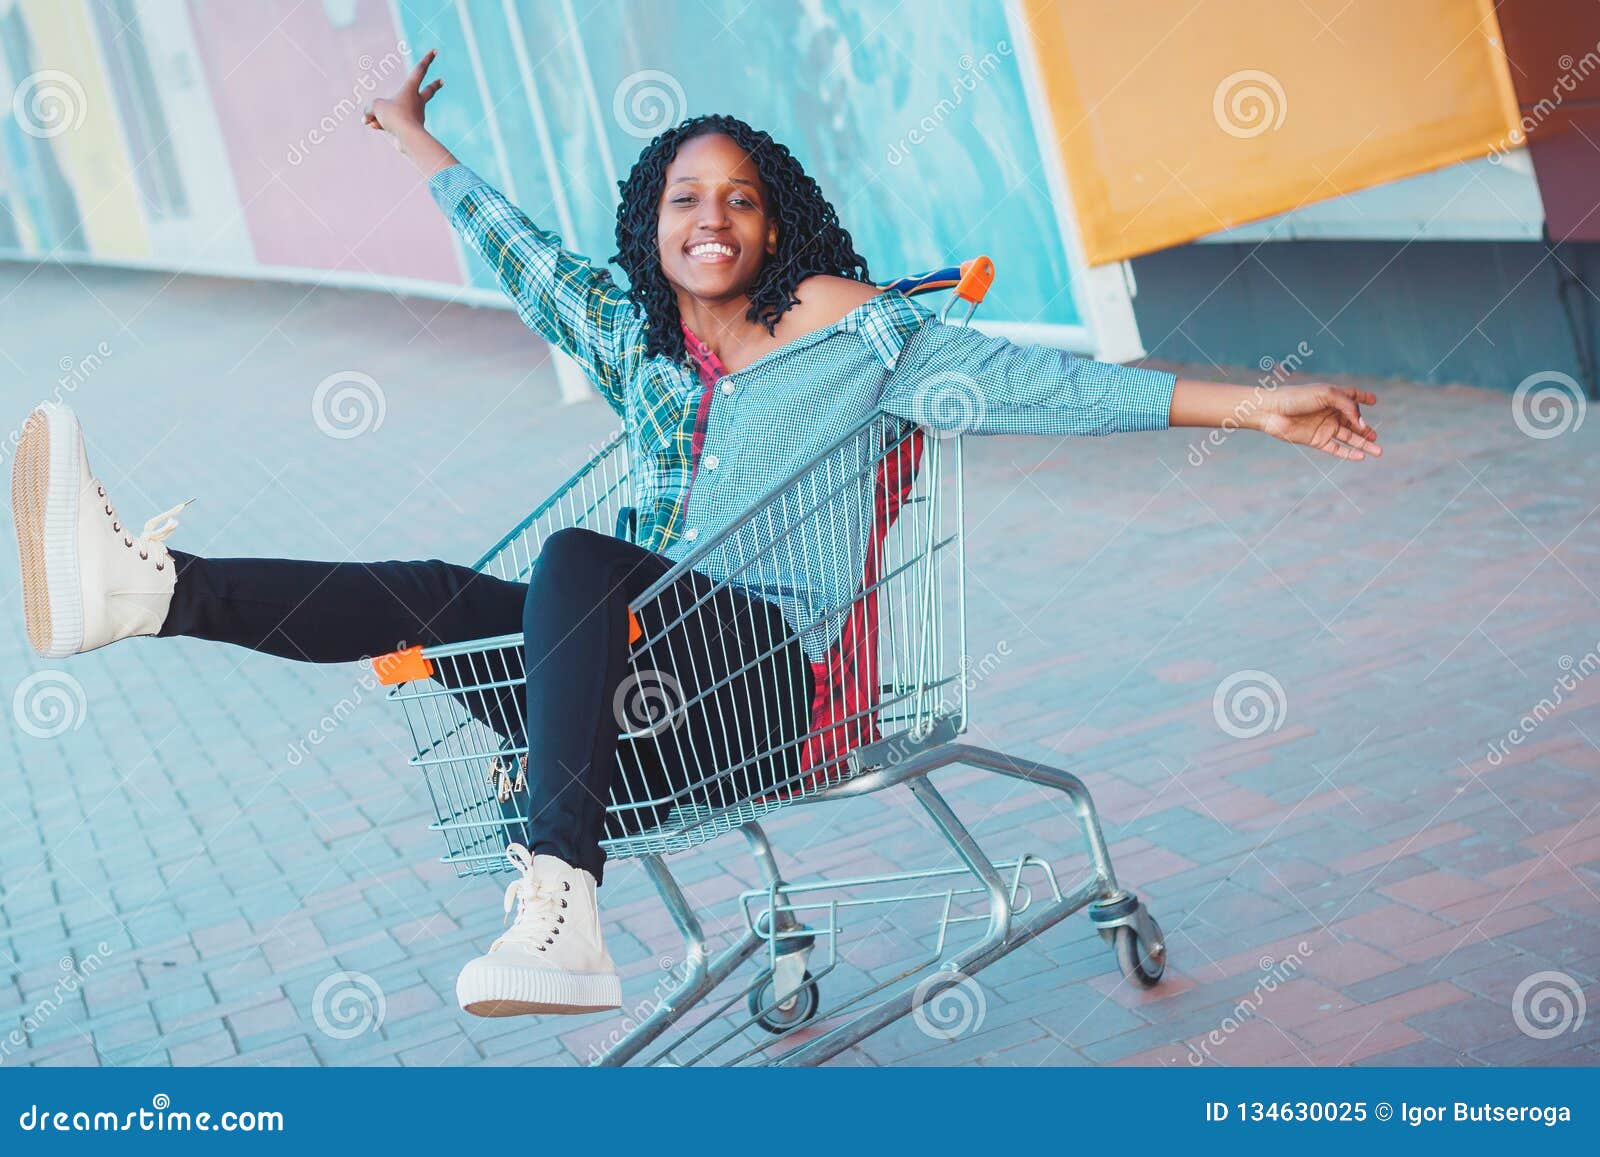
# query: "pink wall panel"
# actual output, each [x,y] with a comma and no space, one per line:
[318,188]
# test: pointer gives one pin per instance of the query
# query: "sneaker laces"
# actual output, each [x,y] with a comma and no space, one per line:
[156,529]
[539,902]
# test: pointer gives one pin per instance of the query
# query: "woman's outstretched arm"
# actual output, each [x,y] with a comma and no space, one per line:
[957,378]
[571,303]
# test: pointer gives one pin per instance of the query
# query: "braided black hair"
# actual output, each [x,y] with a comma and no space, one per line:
[810,238]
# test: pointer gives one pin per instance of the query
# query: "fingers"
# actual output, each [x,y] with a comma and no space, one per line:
[1339,450]
[1341,400]
[1357,442]
[1349,444]
[432,90]
[1365,397]
[421,71]
[1328,418]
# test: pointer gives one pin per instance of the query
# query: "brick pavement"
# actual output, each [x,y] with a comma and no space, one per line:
[1359,884]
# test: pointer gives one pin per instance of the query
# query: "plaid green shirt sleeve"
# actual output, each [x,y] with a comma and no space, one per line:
[958,379]
[569,302]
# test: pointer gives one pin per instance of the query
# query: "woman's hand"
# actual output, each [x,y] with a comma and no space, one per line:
[405,109]
[1326,418]
[400,117]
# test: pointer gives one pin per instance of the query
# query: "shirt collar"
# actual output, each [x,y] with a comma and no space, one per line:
[701,356]
[885,326]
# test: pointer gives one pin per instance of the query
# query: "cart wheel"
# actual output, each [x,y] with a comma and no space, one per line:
[801,1007]
[1141,967]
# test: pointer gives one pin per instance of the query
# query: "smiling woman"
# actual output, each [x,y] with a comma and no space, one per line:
[731,251]
[738,237]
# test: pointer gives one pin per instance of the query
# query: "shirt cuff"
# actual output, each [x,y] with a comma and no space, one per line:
[450,187]
[1149,398]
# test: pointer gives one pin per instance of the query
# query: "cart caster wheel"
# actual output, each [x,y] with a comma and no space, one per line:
[799,1008]
[1142,967]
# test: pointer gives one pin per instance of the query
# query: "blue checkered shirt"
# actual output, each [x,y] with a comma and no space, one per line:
[889,357]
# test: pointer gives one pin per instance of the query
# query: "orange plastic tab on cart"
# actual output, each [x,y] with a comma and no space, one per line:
[635,631]
[402,666]
[977,275]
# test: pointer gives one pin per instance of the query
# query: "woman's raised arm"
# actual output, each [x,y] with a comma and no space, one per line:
[559,294]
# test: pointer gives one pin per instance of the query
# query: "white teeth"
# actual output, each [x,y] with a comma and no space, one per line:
[710,247]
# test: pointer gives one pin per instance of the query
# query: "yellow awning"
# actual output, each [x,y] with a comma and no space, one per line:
[1175,118]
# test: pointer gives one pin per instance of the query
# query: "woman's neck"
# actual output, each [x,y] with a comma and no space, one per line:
[721,324]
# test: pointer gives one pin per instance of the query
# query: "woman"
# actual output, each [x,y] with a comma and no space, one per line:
[738,265]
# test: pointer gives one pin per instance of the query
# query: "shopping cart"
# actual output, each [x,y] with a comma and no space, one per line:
[889,681]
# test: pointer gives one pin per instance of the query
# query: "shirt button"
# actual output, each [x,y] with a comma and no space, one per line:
[727,386]
[691,534]
[712,461]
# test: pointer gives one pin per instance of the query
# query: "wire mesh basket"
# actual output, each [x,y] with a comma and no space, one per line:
[876,660]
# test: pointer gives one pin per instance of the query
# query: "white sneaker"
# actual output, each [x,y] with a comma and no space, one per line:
[552,958]
[86,579]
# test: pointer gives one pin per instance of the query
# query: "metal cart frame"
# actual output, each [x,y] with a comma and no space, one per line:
[885,506]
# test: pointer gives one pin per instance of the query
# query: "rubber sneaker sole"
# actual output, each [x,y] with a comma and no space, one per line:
[509,990]
[44,505]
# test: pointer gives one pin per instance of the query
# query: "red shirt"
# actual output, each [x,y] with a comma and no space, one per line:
[711,369]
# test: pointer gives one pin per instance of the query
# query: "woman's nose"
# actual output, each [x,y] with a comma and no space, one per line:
[711,214]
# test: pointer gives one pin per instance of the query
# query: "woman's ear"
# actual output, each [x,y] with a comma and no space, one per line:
[772,239]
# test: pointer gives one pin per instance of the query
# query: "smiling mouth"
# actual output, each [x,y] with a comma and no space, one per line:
[711,252]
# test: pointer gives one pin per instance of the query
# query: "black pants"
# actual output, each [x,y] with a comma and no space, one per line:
[718,654]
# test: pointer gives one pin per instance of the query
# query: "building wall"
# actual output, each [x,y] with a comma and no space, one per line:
[1554,50]
[1482,313]
[224,136]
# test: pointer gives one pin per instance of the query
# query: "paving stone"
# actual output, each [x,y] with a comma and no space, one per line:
[215,1046]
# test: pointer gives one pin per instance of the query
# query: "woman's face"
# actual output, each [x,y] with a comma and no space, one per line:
[714,229]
